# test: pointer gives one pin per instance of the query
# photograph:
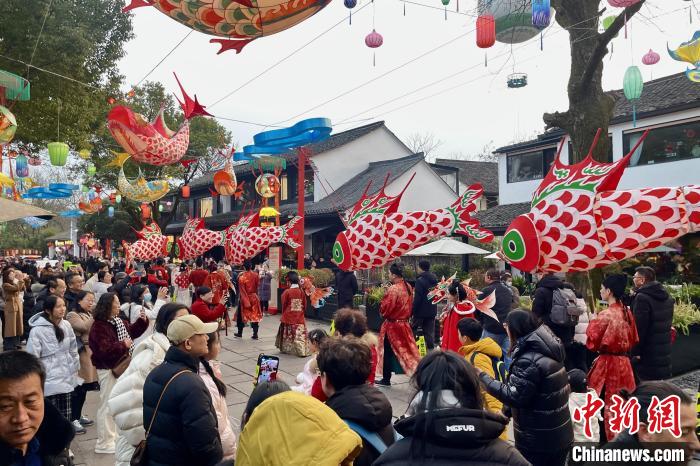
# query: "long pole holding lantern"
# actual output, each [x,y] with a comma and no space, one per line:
[301,165]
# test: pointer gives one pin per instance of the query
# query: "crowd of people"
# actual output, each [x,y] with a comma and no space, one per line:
[146,337]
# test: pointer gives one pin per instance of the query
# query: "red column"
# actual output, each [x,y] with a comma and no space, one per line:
[301,165]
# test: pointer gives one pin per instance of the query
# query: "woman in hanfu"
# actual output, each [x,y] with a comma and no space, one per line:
[292,337]
[183,289]
[460,306]
[397,346]
[613,335]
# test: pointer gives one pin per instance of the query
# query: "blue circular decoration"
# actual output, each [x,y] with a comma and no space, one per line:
[350,3]
[71,213]
[53,191]
[281,141]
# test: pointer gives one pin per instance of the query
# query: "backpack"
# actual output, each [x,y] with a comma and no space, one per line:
[565,308]
[371,438]
[499,368]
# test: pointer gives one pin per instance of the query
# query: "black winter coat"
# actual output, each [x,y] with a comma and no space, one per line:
[537,391]
[542,306]
[54,435]
[504,299]
[422,307]
[346,285]
[653,312]
[472,440]
[185,429]
[369,407]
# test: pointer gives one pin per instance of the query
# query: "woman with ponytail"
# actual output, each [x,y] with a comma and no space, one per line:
[397,346]
[612,335]
[52,340]
[459,307]
[209,371]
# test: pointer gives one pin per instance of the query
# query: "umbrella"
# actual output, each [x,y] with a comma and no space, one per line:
[446,246]
[493,256]
[662,249]
[12,210]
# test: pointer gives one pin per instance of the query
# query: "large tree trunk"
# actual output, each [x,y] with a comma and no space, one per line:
[589,107]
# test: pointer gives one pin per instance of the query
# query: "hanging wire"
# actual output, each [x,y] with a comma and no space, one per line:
[38,37]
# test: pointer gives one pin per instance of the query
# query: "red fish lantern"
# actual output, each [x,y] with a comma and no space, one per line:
[485,31]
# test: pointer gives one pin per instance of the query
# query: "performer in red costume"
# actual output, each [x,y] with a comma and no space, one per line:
[249,307]
[460,306]
[291,336]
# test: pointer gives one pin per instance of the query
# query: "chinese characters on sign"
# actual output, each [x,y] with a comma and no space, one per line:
[662,415]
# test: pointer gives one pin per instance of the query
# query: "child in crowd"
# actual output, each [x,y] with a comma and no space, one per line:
[482,353]
[308,376]
[577,399]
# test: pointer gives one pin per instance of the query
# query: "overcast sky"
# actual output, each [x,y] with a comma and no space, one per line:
[467,118]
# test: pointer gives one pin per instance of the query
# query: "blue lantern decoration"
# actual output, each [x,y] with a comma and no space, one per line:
[21,166]
[350,4]
[110,211]
[53,191]
[541,13]
[282,141]
[72,213]
[92,194]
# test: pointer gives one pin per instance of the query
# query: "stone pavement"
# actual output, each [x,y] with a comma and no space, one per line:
[238,359]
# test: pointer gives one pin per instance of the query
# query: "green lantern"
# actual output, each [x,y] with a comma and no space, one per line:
[14,86]
[91,170]
[58,153]
[633,85]
[160,207]
[84,188]
[118,198]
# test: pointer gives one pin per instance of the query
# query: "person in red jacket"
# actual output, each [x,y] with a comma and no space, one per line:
[292,337]
[249,307]
[198,275]
[204,308]
[160,271]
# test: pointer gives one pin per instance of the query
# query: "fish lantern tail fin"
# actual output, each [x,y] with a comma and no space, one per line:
[463,208]
[230,44]
[129,255]
[191,107]
[292,235]
[136,4]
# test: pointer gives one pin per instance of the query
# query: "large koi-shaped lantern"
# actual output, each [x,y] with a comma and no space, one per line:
[377,234]
[153,143]
[689,52]
[141,190]
[150,245]
[238,22]
[196,240]
[579,220]
[246,239]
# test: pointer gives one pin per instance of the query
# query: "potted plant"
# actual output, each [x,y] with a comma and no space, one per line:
[685,352]
[373,298]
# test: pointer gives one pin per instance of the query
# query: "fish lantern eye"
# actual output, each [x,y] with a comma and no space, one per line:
[521,244]
[341,252]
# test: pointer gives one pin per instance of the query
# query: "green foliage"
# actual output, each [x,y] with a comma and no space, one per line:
[526,303]
[320,277]
[19,235]
[685,312]
[82,39]
[102,226]
[442,270]
[375,295]
[520,283]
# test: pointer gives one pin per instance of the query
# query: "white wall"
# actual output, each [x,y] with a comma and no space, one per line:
[678,173]
[427,190]
[339,165]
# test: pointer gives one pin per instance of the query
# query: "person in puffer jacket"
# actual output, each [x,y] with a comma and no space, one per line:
[126,399]
[537,391]
[445,423]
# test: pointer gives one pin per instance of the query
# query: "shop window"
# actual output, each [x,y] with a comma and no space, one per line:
[668,144]
[206,207]
[183,210]
[530,165]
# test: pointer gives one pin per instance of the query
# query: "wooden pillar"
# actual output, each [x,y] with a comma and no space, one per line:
[301,165]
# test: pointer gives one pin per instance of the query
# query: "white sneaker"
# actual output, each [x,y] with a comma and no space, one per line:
[78,428]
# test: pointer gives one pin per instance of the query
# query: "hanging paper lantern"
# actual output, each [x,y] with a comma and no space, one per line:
[91,170]
[8,125]
[374,40]
[651,58]
[186,191]
[84,189]
[633,85]
[21,166]
[118,198]
[513,19]
[607,22]
[58,153]
[145,211]
[160,207]
[110,211]
[541,13]
[84,154]
[267,185]
[92,195]
[485,31]
[34,160]
[350,4]
[622,3]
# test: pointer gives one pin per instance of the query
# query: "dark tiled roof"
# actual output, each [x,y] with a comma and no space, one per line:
[333,142]
[660,96]
[470,172]
[348,194]
[500,216]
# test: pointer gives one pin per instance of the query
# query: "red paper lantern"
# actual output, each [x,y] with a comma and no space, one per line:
[485,31]
[374,40]
[186,191]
